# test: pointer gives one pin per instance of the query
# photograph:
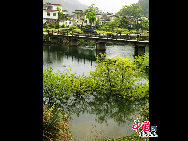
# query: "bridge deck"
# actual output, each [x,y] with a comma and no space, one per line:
[131,38]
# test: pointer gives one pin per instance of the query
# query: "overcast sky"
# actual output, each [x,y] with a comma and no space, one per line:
[109,5]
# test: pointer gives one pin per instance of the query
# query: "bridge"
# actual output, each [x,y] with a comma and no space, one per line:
[139,41]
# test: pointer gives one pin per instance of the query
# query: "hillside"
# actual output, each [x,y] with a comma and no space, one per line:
[145,6]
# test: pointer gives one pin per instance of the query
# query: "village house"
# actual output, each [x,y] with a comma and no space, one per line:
[78,18]
[66,22]
[50,12]
[104,17]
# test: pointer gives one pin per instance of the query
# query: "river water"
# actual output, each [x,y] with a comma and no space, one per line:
[80,59]
[93,117]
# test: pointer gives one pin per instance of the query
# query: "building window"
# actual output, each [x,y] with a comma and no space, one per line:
[48,13]
[54,14]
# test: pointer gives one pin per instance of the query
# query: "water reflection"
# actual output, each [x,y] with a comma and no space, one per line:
[80,59]
[104,112]
[64,57]
[93,116]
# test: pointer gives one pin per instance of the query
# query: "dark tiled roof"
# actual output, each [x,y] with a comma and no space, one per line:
[51,10]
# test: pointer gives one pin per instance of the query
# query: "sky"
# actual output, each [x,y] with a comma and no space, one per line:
[111,6]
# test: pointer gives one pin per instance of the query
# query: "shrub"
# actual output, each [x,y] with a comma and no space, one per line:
[55,124]
[77,30]
[91,43]
[81,42]
[63,26]
[57,26]
[119,76]
[142,62]
[45,37]
[72,28]
[52,26]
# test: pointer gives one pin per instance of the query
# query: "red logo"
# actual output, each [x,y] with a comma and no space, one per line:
[145,125]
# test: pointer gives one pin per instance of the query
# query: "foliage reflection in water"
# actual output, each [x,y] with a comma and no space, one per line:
[80,59]
[94,115]
[99,116]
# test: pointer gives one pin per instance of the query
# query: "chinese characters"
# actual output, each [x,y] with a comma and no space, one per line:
[145,129]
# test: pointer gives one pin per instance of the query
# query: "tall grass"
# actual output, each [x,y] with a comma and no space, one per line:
[55,124]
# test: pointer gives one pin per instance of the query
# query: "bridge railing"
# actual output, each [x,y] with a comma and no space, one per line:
[138,37]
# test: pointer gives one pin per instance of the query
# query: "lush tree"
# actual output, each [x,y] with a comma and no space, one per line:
[92,8]
[97,25]
[91,16]
[113,24]
[60,13]
[129,14]
[91,13]
[144,23]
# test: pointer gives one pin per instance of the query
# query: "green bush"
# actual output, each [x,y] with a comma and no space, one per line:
[77,30]
[52,26]
[57,26]
[63,26]
[73,27]
[55,124]
[142,62]
[131,137]
[118,76]
[81,42]
[45,37]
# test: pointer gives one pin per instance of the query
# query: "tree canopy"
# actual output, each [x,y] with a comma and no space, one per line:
[91,13]
[91,16]
[129,14]
[133,10]
[92,8]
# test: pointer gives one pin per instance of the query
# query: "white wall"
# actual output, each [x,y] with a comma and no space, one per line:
[66,23]
[51,14]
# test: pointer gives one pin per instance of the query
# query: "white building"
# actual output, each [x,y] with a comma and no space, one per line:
[50,11]
[66,22]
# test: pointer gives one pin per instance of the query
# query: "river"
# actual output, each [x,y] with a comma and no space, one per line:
[93,117]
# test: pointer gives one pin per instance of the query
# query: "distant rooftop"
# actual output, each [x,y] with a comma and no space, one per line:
[52,4]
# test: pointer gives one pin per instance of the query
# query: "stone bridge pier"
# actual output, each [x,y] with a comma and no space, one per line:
[73,42]
[100,45]
[139,49]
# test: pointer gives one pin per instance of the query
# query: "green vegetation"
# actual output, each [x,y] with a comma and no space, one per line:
[55,124]
[91,16]
[142,62]
[116,76]
[122,77]
[132,137]
[86,43]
